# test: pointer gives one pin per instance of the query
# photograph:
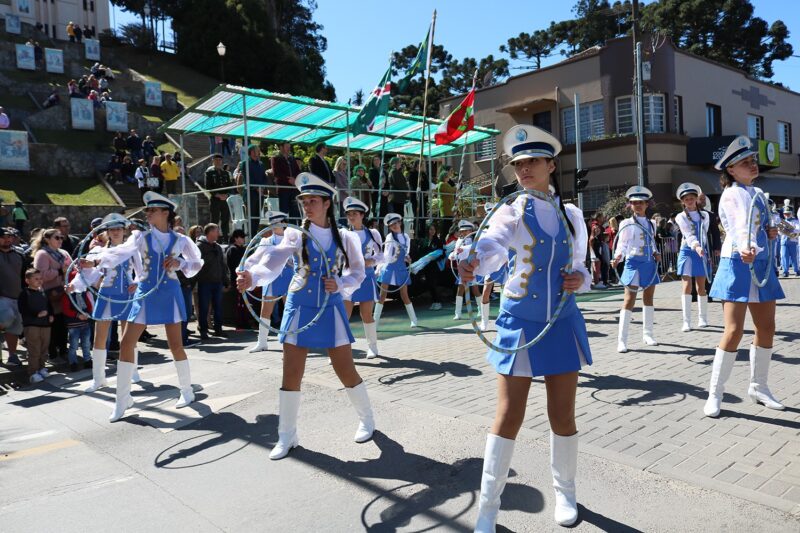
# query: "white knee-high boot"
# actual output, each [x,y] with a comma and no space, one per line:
[185,384]
[136,378]
[720,372]
[759,370]
[376,313]
[624,326]
[124,400]
[564,464]
[261,343]
[371,333]
[485,310]
[496,462]
[360,400]
[686,308]
[702,311]
[411,314]
[288,406]
[648,313]
[459,304]
[98,370]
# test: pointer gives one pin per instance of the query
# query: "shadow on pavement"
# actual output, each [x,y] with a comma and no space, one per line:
[417,368]
[654,389]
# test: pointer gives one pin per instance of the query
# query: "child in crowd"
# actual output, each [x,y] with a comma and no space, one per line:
[37,315]
[79,328]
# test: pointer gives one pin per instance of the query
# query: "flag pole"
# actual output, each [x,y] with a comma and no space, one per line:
[466,134]
[420,163]
[347,138]
[383,147]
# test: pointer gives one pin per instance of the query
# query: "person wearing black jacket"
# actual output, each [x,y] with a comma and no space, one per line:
[219,178]
[431,243]
[233,256]
[319,166]
[211,279]
[37,315]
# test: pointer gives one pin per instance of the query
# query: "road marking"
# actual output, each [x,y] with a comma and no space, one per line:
[29,436]
[39,450]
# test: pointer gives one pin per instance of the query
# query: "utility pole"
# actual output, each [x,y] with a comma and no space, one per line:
[638,101]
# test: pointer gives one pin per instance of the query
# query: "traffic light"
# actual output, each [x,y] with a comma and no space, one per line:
[580,179]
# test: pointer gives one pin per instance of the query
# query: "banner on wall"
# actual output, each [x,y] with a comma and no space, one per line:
[54,60]
[25,57]
[13,25]
[14,153]
[116,116]
[82,114]
[24,7]
[152,93]
[92,49]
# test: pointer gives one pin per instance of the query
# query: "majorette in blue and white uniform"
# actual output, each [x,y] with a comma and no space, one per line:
[694,228]
[734,282]
[637,244]
[304,302]
[532,228]
[165,305]
[372,250]
[466,230]
[393,270]
[114,284]
[280,286]
[789,252]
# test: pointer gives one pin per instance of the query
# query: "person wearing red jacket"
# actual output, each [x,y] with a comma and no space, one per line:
[78,328]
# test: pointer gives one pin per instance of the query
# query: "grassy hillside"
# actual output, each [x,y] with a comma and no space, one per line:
[36,190]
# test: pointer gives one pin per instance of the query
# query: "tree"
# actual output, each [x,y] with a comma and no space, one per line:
[722,30]
[358,98]
[531,48]
[136,34]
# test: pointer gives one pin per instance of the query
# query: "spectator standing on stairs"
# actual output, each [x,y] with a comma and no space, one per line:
[148,148]
[134,145]
[170,173]
[155,173]
[71,32]
[219,178]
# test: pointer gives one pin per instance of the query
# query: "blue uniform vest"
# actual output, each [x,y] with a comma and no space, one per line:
[307,288]
[160,305]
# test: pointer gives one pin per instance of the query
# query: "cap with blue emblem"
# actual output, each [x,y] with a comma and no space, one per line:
[391,218]
[524,142]
[688,188]
[273,217]
[153,199]
[638,192]
[115,220]
[466,225]
[740,148]
[310,185]
[354,204]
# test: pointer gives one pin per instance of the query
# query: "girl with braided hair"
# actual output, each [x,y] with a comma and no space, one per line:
[342,255]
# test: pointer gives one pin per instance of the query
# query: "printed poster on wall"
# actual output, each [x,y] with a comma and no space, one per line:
[24,7]
[92,49]
[152,93]
[54,60]
[82,114]
[14,153]
[13,25]
[25,57]
[116,116]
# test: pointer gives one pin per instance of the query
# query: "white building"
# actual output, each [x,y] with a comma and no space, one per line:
[54,15]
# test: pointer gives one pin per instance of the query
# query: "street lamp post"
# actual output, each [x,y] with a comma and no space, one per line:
[146,29]
[221,52]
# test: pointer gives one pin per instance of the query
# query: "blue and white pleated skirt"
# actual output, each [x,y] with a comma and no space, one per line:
[106,310]
[165,305]
[368,291]
[396,274]
[565,347]
[500,277]
[691,264]
[734,283]
[639,273]
[331,330]
[280,286]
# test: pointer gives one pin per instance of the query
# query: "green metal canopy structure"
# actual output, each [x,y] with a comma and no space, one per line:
[264,115]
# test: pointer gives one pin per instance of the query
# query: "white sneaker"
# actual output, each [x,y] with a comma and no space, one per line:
[686,327]
[44,373]
[36,378]
[457,317]
[600,286]
[436,307]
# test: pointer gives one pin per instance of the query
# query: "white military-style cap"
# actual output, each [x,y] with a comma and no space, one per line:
[465,225]
[524,142]
[153,199]
[638,192]
[688,188]
[310,185]
[391,218]
[354,204]
[115,220]
[740,148]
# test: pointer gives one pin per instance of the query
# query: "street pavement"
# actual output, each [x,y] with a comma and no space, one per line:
[649,460]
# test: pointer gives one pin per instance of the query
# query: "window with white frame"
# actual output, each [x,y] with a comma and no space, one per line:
[487,148]
[677,114]
[755,127]
[654,114]
[593,123]
[785,137]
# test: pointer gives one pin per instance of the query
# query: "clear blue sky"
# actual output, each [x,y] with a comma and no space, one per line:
[362,33]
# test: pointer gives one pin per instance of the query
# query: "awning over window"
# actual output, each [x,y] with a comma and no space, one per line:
[263,115]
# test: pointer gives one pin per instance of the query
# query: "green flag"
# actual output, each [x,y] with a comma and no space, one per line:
[377,105]
[418,65]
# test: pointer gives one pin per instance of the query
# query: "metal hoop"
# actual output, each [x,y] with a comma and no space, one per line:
[770,250]
[248,293]
[96,292]
[652,240]
[567,268]
[249,306]
[454,270]
[408,274]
